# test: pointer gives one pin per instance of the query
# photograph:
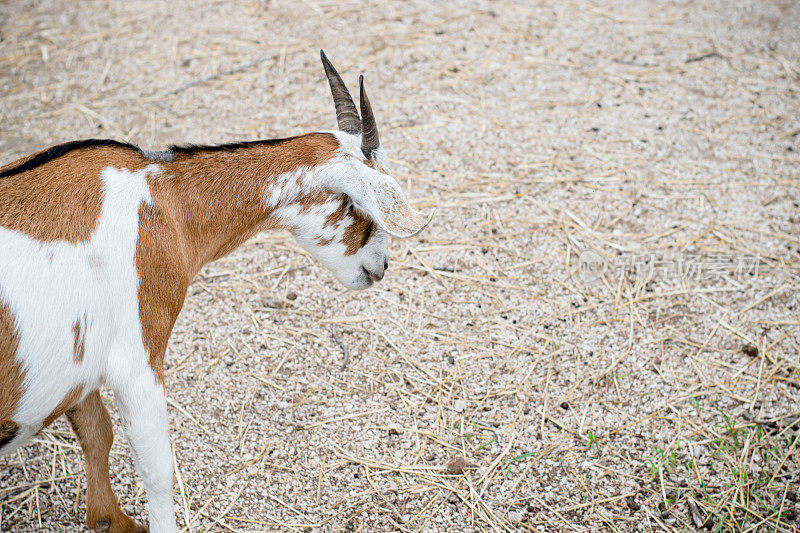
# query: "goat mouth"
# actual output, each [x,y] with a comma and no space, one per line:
[371,278]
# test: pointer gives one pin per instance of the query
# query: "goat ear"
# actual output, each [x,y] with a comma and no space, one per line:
[380,197]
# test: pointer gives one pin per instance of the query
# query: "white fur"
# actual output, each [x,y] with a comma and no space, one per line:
[352,271]
[48,287]
[373,192]
[350,145]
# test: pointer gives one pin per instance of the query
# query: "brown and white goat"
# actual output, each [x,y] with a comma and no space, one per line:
[99,241]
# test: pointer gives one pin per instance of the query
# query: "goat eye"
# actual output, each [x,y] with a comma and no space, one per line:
[368,234]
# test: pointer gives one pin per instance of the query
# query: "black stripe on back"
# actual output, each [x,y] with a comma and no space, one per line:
[61,149]
[190,149]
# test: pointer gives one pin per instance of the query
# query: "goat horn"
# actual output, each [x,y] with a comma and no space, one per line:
[346,112]
[369,137]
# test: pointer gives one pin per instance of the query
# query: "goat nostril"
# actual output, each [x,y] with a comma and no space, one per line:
[371,276]
[385,264]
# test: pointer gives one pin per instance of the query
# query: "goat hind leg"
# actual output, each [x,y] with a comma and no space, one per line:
[90,422]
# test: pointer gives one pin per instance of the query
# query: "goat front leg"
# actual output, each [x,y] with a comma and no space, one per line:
[90,422]
[143,407]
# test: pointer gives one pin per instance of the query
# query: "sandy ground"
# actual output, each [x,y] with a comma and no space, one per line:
[602,319]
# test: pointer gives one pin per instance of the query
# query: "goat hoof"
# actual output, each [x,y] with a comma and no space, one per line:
[120,524]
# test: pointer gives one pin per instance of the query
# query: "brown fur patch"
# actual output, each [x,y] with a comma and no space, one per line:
[165,269]
[313,200]
[61,199]
[12,376]
[69,400]
[201,212]
[79,332]
[337,216]
[8,430]
[357,233]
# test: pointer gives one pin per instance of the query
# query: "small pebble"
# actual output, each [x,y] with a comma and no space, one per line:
[515,515]
[457,465]
[750,350]
[273,303]
[633,505]
[459,406]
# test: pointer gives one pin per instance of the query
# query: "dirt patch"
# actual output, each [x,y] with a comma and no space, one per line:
[617,185]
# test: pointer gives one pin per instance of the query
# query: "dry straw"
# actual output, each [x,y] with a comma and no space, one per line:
[659,393]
